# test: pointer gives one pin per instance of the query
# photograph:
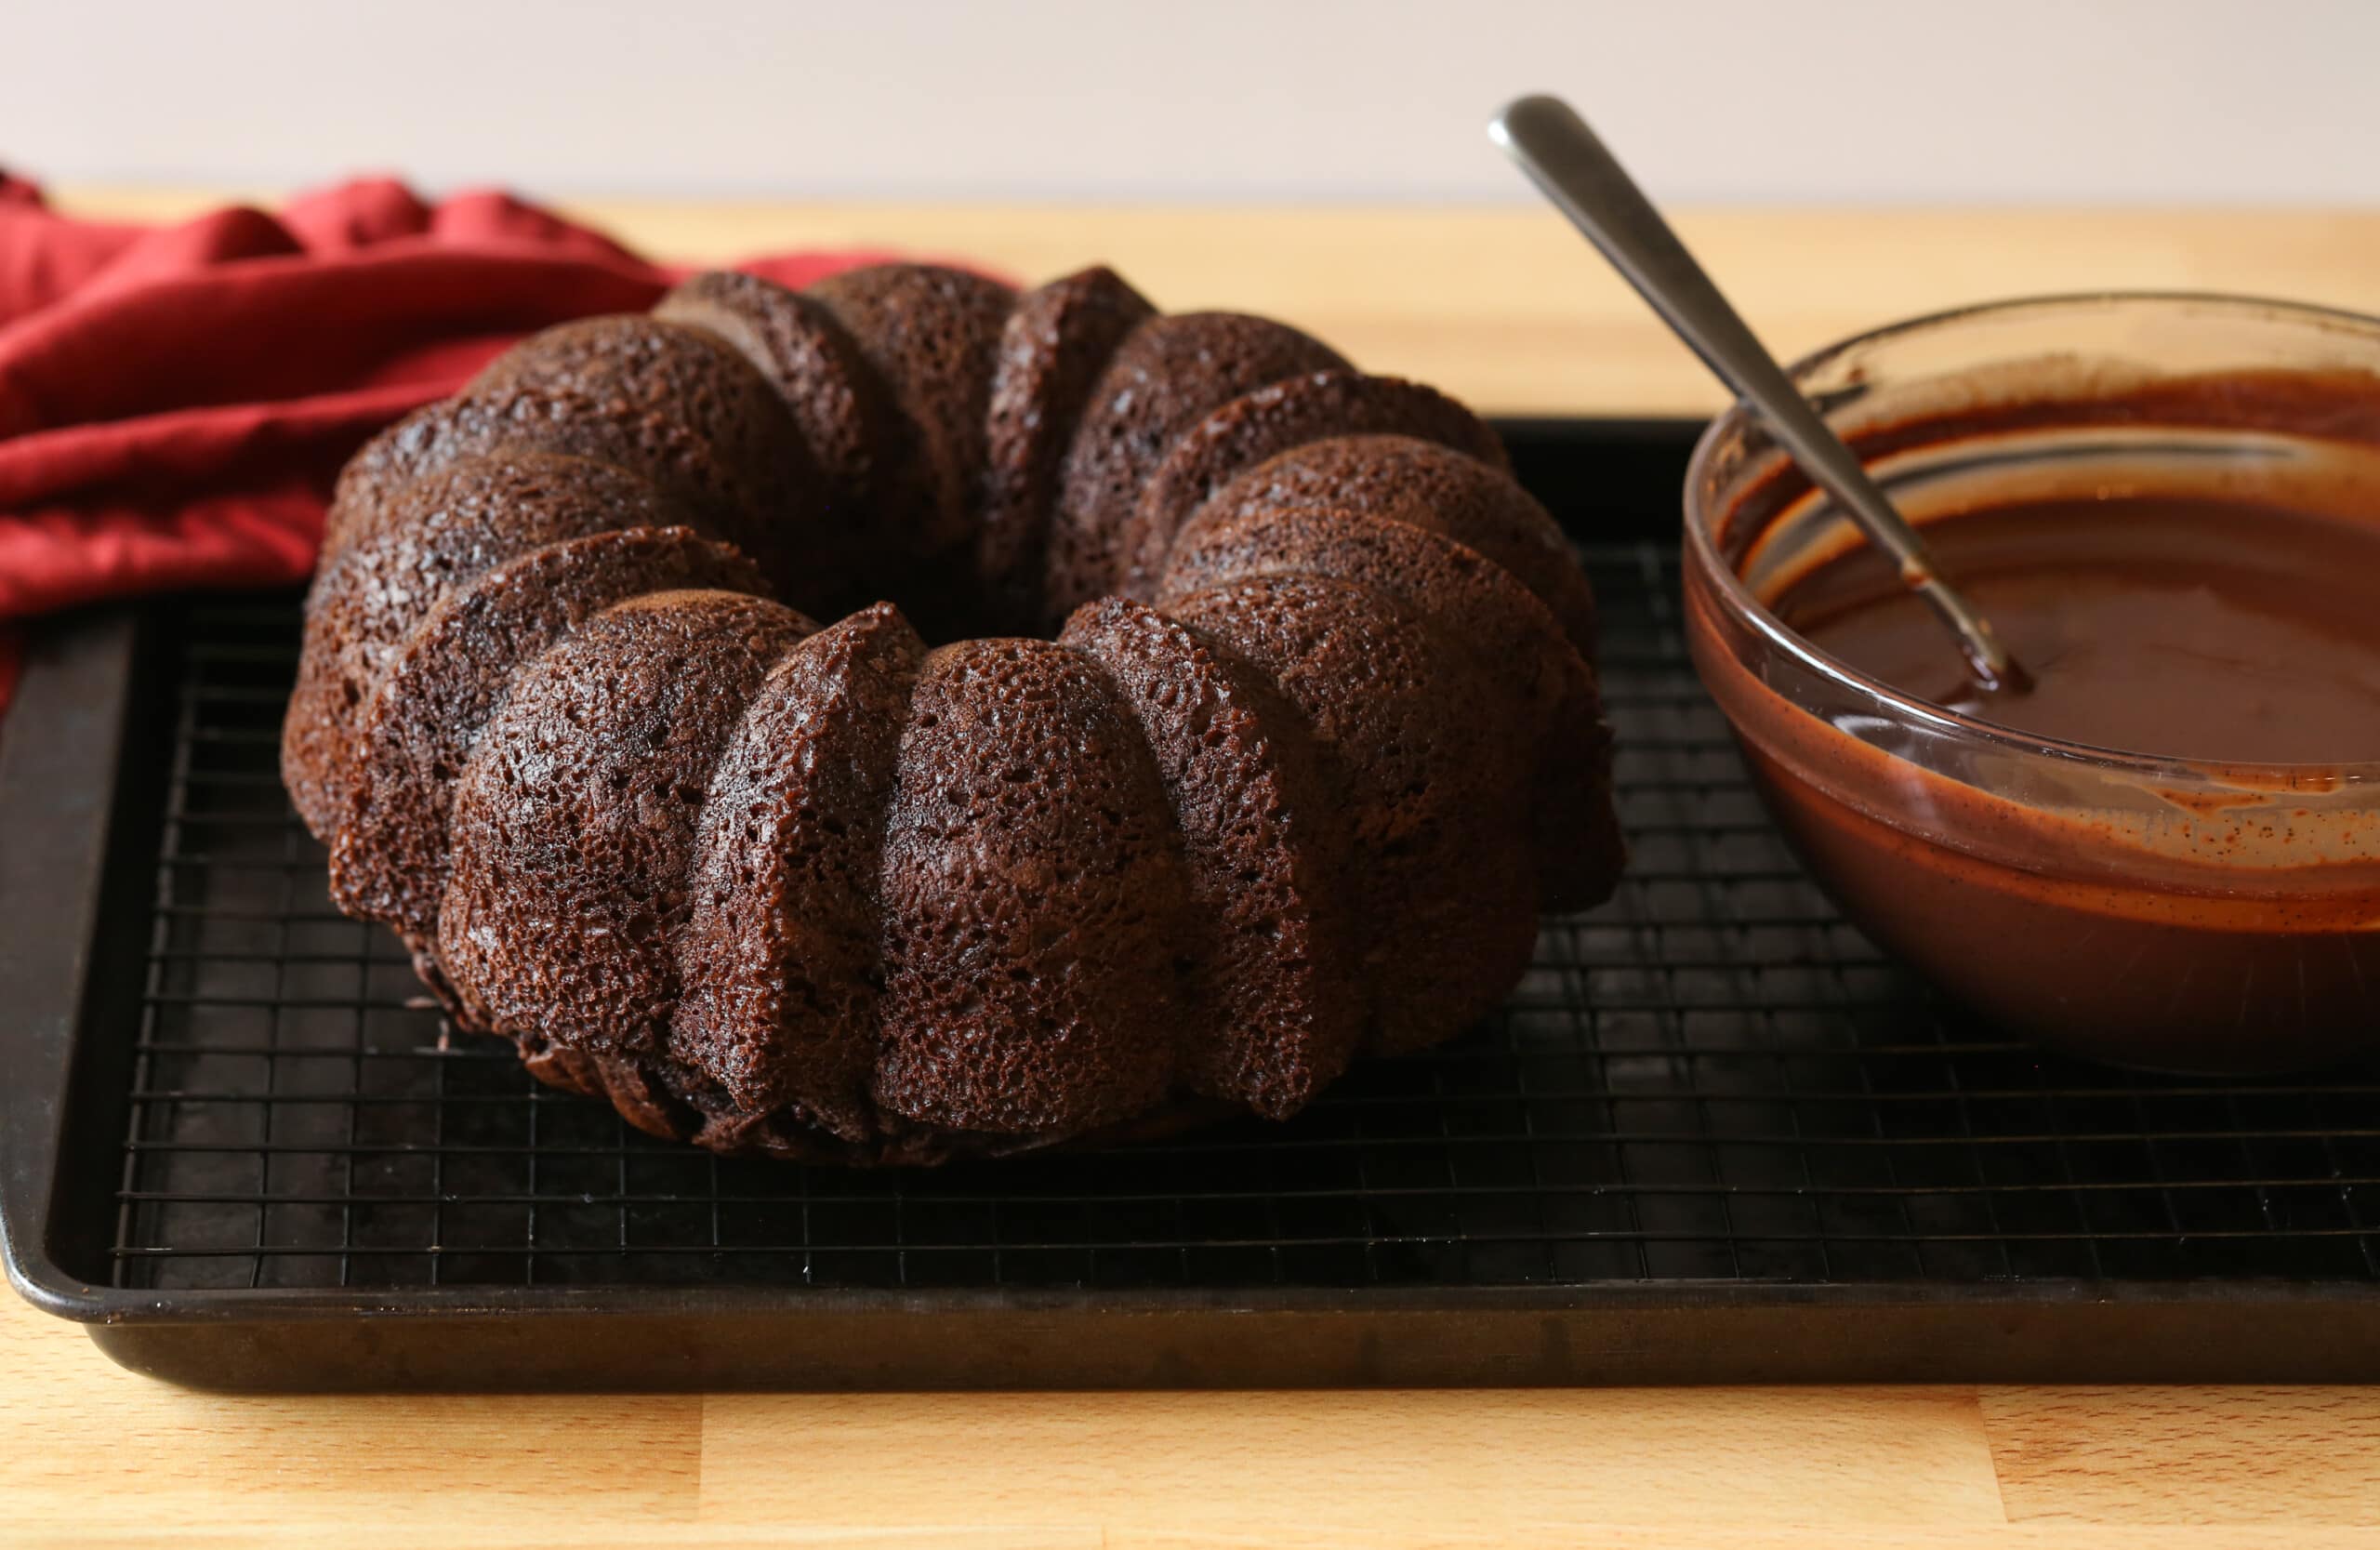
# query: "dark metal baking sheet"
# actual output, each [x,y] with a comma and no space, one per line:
[1713,1137]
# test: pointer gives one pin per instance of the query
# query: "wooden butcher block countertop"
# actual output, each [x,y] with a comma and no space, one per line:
[1505,308]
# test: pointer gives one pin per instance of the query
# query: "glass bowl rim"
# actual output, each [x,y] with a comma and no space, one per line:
[1908,708]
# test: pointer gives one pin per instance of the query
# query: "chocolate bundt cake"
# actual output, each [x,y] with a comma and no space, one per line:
[1261,725]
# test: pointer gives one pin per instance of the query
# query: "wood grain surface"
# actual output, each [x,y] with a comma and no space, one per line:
[1505,308]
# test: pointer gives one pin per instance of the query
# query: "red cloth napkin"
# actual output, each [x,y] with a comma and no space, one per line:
[175,401]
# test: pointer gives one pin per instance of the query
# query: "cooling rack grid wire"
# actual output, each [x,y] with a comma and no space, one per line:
[1710,1079]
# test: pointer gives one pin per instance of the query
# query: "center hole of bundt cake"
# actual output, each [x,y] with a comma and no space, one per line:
[944,614]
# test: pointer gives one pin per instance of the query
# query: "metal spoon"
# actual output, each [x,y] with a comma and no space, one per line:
[1554,145]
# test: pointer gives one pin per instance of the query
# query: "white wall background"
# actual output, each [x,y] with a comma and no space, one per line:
[1858,100]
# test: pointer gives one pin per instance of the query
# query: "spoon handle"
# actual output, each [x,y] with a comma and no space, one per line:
[1554,145]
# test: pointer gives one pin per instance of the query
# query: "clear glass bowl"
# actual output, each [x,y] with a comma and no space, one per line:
[2153,911]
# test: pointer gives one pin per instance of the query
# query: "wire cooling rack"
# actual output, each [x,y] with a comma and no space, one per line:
[1711,1080]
